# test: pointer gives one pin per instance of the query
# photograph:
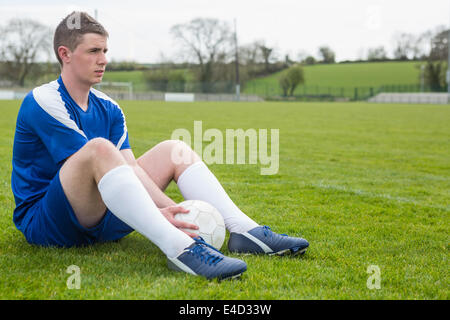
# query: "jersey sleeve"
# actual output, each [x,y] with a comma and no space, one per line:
[119,132]
[54,127]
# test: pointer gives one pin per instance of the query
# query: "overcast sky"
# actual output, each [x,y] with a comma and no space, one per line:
[139,30]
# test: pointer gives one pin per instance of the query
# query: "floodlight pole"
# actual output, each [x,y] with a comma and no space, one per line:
[238,85]
[422,75]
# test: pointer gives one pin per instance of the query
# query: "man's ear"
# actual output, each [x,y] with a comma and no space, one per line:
[64,54]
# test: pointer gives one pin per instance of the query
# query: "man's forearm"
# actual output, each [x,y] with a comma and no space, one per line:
[158,196]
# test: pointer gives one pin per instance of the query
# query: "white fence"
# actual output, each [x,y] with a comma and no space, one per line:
[429,98]
[12,94]
[160,96]
[157,96]
[179,97]
[432,98]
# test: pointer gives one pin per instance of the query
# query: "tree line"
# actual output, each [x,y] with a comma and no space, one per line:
[208,48]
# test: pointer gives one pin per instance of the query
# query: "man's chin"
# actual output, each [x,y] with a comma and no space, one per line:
[96,80]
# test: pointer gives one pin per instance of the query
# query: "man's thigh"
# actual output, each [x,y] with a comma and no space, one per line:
[54,222]
[160,165]
[81,191]
[79,176]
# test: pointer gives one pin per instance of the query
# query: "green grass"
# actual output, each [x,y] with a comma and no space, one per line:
[337,79]
[343,77]
[366,184]
[135,77]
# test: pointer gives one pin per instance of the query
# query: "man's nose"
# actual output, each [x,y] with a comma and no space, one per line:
[102,59]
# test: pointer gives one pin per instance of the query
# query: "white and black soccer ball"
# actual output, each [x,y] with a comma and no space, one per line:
[207,218]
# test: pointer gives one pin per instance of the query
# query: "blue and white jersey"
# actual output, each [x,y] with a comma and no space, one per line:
[50,128]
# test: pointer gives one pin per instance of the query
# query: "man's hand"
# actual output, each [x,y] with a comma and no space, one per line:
[170,212]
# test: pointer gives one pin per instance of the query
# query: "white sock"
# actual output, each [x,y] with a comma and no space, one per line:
[125,196]
[197,182]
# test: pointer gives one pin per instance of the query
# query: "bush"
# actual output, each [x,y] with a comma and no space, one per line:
[123,66]
[176,81]
[435,75]
[290,79]
[310,60]
[165,80]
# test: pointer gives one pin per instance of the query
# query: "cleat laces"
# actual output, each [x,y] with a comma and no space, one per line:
[200,252]
[270,233]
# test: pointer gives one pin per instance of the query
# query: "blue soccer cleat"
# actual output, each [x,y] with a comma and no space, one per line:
[202,259]
[263,240]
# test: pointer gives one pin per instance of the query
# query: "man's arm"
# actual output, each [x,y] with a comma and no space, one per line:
[158,196]
[167,206]
[119,137]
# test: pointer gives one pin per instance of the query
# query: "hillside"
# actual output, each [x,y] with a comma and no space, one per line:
[338,79]
[334,77]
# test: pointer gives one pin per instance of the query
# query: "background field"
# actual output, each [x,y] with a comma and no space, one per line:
[332,78]
[344,76]
[366,184]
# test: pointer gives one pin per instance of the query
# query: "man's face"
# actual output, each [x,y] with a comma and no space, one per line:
[88,60]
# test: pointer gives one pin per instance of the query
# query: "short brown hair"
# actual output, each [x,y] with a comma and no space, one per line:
[71,29]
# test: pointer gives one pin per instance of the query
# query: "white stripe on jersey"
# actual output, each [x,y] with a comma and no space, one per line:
[49,99]
[103,96]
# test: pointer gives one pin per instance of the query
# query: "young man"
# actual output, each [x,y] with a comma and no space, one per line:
[76,181]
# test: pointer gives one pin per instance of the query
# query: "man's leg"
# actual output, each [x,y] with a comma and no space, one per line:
[159,165]
[97,177]
[80,175]
[194,180]
[197,182]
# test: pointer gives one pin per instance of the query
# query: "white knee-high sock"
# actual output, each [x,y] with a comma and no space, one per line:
[125,196]
[197,182]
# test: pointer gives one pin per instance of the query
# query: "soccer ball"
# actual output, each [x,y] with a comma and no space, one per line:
[207,218]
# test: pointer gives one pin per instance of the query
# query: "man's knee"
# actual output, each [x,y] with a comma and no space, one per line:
[101,156]
[179,151]
[170,144]
[93,150]
[100,148]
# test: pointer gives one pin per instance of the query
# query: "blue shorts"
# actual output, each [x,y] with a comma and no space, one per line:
[54,223]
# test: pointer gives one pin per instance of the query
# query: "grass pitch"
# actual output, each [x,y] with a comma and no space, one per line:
[366,184]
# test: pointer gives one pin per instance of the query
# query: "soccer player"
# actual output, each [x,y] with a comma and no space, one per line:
[76,180]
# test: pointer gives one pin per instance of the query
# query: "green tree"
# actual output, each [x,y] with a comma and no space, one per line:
[290,79]
[435,75]
[377,54]
[436,65]
[284,84]
[165,80]
[176,81]
[309,60]
[327,55]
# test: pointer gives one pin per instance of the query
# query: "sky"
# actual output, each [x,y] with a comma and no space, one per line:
[140,30]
